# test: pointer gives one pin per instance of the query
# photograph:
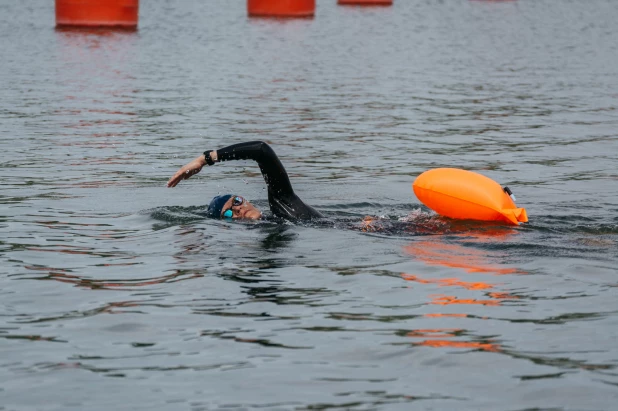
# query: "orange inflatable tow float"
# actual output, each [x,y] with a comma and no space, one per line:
[466,195]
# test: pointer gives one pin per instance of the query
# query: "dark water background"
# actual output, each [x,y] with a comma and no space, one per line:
[116,293]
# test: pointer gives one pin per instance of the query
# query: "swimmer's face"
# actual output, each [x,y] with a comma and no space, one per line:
[238,207]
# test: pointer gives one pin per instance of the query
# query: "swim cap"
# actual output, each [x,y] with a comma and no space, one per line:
[216,205]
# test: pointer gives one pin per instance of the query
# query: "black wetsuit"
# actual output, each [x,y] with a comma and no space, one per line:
[284,203]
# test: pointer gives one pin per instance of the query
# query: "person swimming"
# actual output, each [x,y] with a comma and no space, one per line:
[283,201]
[285,204]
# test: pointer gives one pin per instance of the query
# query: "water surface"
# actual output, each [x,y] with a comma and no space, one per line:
[117,293]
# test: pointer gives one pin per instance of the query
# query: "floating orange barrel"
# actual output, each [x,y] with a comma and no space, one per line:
[366,2]
[281,8]
[97,13]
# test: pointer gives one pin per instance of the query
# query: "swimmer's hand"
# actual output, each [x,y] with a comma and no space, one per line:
[187,171]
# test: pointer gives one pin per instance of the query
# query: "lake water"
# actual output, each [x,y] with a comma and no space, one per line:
[117,294]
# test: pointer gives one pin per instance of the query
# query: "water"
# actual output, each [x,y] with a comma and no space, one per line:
[116,292]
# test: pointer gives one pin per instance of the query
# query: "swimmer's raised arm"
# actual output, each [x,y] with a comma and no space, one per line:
[273,171]
[187,171]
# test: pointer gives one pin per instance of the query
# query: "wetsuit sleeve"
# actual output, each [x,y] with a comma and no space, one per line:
[281,197]
[274,174]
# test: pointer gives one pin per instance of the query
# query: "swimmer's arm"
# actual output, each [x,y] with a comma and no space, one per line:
[274,173]
[188,170]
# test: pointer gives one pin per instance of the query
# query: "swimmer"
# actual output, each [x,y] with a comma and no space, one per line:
[283,202]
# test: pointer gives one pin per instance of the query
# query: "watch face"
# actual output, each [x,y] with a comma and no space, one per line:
[208,158]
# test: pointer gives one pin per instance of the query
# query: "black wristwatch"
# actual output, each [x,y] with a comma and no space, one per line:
[208,158]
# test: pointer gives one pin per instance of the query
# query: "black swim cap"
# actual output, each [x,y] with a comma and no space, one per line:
[216,205]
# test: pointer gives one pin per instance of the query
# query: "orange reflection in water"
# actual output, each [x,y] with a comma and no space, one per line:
[460,344]
[455,256]
[449,282]
[434,332]
[441,315]
[450,299]
[442,337]
[98,75]
[436,251]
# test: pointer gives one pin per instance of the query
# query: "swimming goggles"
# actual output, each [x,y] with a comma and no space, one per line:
[237,201]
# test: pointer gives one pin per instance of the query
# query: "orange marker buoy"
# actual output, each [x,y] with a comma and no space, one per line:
[365,2]
[97,13]
[281,8]
[466,195]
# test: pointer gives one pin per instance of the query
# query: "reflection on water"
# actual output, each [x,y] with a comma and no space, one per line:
[96,73]
[457,257]
[114,284]
[437,251]
[446,338]
[277,237]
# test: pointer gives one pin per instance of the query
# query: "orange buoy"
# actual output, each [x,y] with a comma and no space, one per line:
[281,8]
[365,2]
[97,13]
[462,194]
